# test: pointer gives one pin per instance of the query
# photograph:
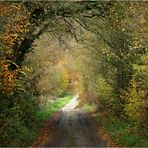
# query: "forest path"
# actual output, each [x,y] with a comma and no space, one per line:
[75,128]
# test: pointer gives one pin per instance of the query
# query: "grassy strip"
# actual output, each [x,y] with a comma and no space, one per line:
[121,132]
[88,107]
[46,112]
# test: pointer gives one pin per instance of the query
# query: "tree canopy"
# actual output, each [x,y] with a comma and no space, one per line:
[98,48]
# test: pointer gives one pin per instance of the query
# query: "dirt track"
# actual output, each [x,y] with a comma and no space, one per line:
[74,128]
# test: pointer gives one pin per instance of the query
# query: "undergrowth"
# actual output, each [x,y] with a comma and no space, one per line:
[121,132]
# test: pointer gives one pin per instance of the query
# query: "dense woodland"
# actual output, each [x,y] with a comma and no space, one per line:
[51,48]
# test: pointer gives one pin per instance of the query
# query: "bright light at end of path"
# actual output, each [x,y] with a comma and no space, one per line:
[72,104]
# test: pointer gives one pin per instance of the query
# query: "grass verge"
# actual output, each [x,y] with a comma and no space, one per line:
[46,111]
[88,107]
[120,131]
[42,115]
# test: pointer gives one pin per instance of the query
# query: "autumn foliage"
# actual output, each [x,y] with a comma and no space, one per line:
[47,49]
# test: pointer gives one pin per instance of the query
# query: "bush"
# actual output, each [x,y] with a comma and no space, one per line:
[104,92]
[17,120]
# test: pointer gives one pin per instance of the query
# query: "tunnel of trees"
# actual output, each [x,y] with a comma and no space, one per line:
[49,48]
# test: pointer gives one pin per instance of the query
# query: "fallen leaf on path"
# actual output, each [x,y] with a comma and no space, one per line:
[46,133]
